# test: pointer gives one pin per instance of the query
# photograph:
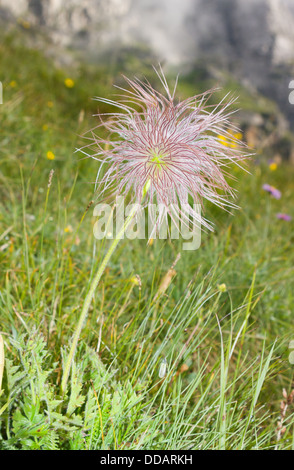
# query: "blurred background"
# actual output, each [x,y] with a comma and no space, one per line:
[246,47]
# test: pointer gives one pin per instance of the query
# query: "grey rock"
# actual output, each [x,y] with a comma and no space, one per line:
[252,39]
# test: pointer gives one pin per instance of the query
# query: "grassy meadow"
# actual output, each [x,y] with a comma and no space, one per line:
[192,355]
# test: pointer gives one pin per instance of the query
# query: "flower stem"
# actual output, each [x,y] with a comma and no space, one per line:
[90,296]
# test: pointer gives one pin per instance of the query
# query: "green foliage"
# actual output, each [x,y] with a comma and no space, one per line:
[223,325]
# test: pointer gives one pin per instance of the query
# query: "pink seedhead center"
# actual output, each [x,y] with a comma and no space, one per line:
[167,153]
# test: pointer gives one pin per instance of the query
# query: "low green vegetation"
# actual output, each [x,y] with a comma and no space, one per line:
[194,356]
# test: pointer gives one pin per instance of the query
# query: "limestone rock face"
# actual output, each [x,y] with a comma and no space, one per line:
[177,30]
[252,39]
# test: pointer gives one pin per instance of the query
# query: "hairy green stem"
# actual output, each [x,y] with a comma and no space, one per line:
[90,296]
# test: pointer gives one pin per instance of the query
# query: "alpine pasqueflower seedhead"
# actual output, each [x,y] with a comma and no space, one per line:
[167,152]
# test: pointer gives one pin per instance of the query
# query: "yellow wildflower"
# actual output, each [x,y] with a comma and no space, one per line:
[50,155]
[273,166]
[68,229]
[69,83]
[223,140]
[238,136]
[227,142]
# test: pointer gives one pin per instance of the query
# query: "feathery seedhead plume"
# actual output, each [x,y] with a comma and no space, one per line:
[170,154]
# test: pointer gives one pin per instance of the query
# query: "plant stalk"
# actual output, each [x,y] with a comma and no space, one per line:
[90,296]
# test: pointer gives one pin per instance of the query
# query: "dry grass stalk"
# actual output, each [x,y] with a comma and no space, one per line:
[1,360]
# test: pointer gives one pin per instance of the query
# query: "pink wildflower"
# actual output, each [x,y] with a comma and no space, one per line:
[272,190]
[168,151]
[286,217]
